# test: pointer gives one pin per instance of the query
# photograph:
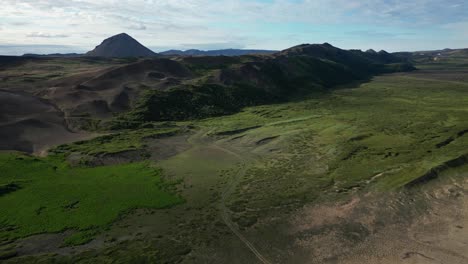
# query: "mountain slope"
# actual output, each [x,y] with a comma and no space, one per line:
[223,86]
[121,45]
[180,88]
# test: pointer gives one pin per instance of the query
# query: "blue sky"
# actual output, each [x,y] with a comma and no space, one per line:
[48,26]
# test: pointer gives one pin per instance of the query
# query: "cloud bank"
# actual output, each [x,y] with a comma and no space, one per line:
[269,24]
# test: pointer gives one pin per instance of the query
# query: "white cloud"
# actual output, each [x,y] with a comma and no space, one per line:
[137,27]
[201,22]
[459,28]
[45,35]
[20,23]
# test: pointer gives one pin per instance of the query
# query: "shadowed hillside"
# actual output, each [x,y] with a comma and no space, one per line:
[226,85]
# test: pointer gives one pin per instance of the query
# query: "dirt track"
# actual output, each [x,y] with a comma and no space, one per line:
[198,138]
[225,212]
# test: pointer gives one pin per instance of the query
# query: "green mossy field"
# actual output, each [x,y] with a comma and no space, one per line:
[50,196]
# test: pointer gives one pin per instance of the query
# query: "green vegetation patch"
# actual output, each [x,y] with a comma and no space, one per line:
[117,142]
[54,197]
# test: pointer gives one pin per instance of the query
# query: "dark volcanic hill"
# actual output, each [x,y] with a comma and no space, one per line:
[121,45]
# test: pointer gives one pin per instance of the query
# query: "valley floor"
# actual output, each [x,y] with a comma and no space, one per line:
[369,174]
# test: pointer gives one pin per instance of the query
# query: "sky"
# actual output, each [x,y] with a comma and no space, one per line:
[63,26]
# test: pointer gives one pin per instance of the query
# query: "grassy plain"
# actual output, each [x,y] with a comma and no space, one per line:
[263,163]
[378,136]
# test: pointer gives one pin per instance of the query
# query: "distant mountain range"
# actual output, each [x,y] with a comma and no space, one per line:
[61,55]
[221,52]
[123,45]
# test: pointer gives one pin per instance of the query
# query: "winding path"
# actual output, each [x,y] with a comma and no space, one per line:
[228,191]
[225,211]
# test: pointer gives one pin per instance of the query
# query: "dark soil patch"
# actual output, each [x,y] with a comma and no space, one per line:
[266,140]
[8,188]
[354,152]
[235,138]
[445,142]
[156,75]
[122,157]
[360,137]
[451,139]
[236,131]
